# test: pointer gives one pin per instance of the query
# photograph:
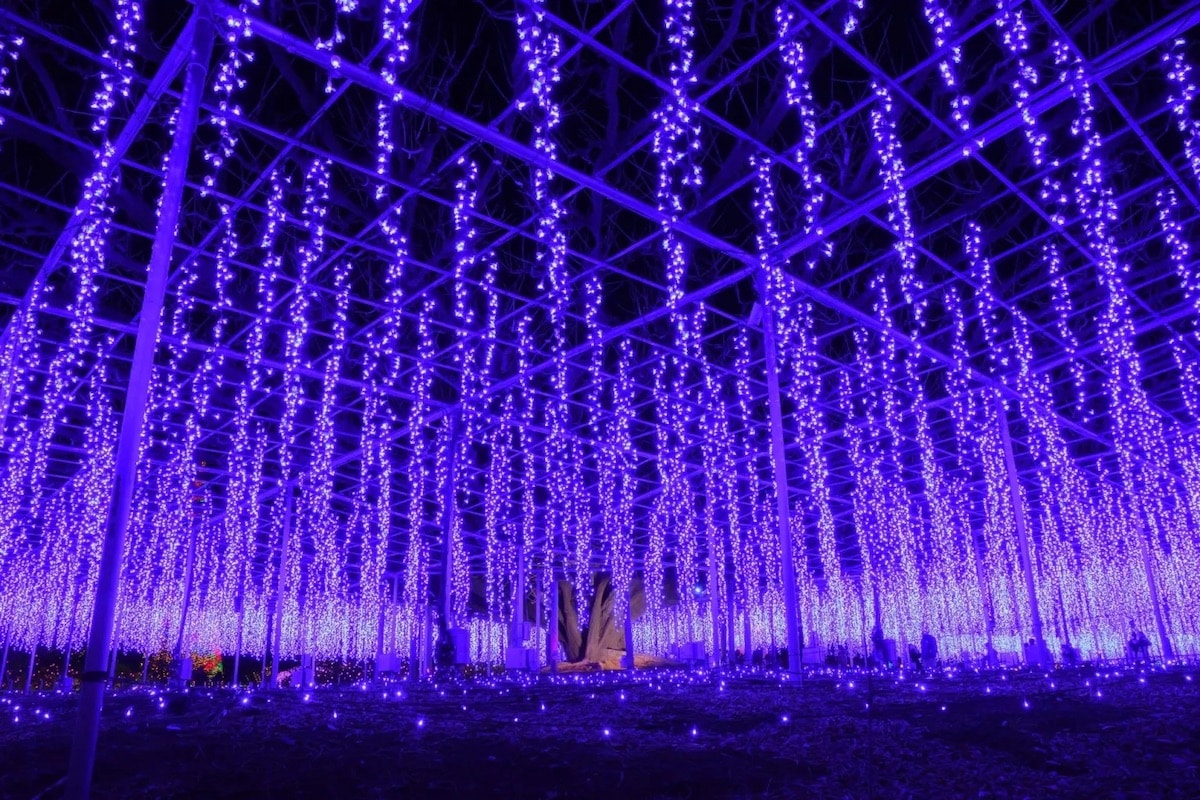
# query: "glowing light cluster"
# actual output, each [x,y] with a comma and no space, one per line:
[891,156]
[676,141]
[851,20]
[324,580]
[116,79]
[1180,101]
[416,557]
[226,83]
[1189,281]
[939,19]
[621,482]
[1064,312]
[799,96]
[575,467]
[10,51]
[395,16]
[541,47]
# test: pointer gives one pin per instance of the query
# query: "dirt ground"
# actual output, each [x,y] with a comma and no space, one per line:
[656,734]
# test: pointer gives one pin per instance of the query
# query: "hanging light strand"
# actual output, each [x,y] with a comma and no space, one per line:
[10,52]
[395,20]
[1180,101]
[799,96]
[942,25]
[891,156]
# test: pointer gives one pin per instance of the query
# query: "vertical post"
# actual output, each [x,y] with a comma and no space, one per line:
[1022,533]
[788,567]
[189,572]
[376,671]
[552,623]
[29,669]
[449,502]
[427,652]
[64,679]
[4,656]
[115,650]
[1062,607]
[270,629]
[87,728]
[1155,602]
[714,598]
[518,627]
[630,659]
[281,586]
[537,613]
[730,620]
[239,603]
[746,636]
[416,637]
[395,648]
[519,601]
[985,594]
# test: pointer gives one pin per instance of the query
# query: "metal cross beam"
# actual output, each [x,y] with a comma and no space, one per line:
[170,67]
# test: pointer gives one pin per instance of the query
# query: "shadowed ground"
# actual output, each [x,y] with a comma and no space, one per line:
[669,734]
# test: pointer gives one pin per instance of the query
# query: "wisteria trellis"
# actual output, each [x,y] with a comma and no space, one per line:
[365,409]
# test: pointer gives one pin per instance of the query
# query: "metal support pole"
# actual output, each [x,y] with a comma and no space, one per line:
[115,650]
[714,599]
[778,453]
[746,635]
[427,651]
[989,614]
[376,671]
[65,677]
[266,651]
[416,636]
[537,613]
[730,622]
[1022,532]
[1155,602]
[516,638]
[630,659]
[395,648]
[29,669]
[189,572]
[1062,607]
[552,624]
[240,606]
[83,748]
[449,501]
[4,656]
[281,586]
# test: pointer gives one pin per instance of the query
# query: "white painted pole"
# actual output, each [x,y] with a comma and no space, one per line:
[537,612]
[4,657]
[281,588]
[449,501]
[240,603]
[714,598]
[189,572]
[519,600]
[29,669]
[746,636]
[87,729]
[552,624]
[1022,533]
[779,456]
[630,659]
[1155,603]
